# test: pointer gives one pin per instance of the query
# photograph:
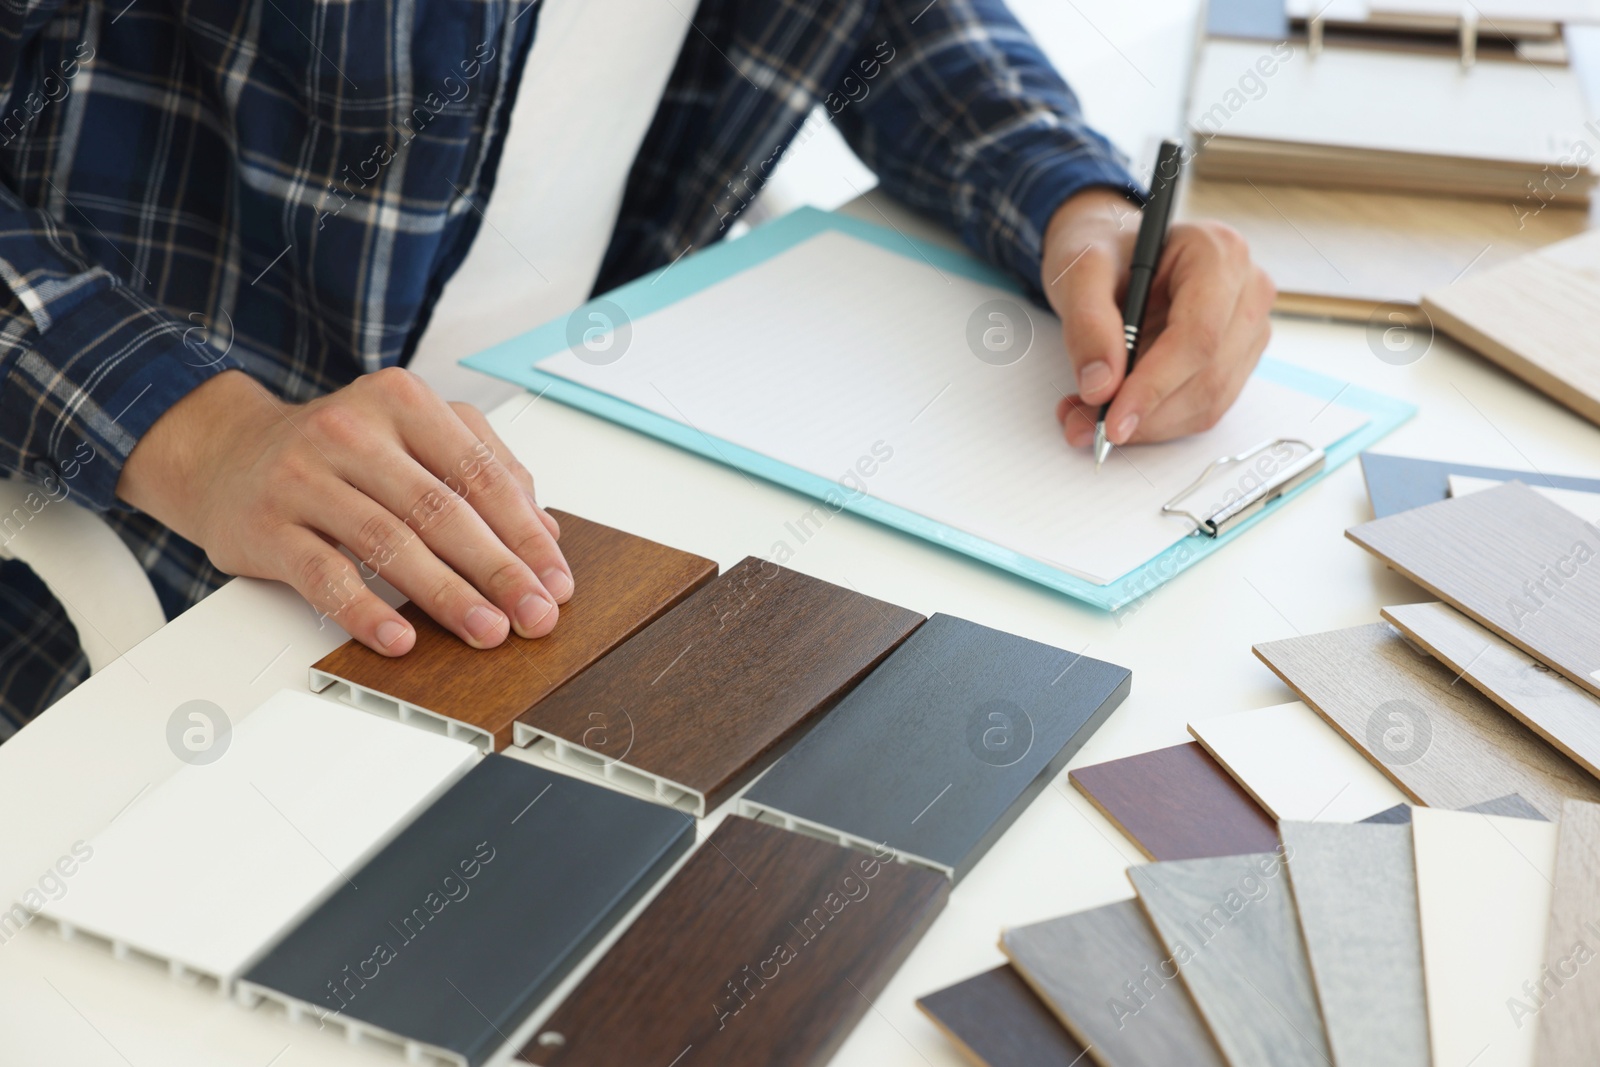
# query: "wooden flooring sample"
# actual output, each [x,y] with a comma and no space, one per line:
[1562,713]
[1230,924]
[452,935]
[940,749]
[1356,894]
[1177,803]
[621,583]
[762,951]
[1484,890]
[1569,1005]
[1111,981]
[1400,483]
[1295,765]
[205,870]
[697,703]
[1537,316]
[1512,561]
[1444,745]
[996,1021]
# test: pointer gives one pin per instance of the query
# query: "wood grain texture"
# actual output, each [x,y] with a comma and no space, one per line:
[1295,765]
[1108,978]
[1511,806]
[1177,803]
[1537,316]
[764,949]
[1444,745]
[621,583]
[1400,483]
[704,696]
[1562,713]
[1346,252]
[1356,894]
[996,1021]
[939,750]
[455,931]
[1484,892]
[1230,924]
[1569,1017]
[1511,560]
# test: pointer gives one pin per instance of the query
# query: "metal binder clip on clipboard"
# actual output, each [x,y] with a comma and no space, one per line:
[1275,467]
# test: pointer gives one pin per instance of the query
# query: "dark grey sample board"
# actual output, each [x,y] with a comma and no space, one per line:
[446,940]
[943,745]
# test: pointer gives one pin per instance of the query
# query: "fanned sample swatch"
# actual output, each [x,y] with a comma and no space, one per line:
[1512,561]
[1484,889]
[449,937]
[1445,744]
[1230,923]
[621,583]
[208,868]
[1557,710]
[973,722]
[1177,803]
[1569,1008]
[764,950]
[1356,893]
[1400,483]
[1109,979]
[695,705]
[1295,765]
[996,1021]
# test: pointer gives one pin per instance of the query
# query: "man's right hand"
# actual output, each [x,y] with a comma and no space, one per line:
[421,491]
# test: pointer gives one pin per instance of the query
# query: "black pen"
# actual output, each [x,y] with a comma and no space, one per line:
[1146,255]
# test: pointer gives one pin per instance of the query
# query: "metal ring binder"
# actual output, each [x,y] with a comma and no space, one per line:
[1242,502]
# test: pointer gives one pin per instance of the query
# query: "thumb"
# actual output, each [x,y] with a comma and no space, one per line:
[1084,294]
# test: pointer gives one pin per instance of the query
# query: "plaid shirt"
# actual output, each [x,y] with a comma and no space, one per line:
[284,186]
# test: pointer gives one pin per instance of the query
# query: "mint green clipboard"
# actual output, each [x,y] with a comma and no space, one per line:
[516,360]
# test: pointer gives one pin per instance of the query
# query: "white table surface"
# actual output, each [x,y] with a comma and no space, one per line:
[69,773]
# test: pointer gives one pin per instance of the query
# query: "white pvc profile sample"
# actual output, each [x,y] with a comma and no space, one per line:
[209,867]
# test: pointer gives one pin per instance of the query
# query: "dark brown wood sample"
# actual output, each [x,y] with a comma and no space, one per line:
[996,1021]
[1511,560]
[701,699]
[764,950]
[1178,803]
[621,584]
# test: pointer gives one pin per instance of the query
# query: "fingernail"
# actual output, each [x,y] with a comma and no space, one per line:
[482,623]
[1125,428]
[556,583]
[1094,377]
[389,632]
[531,611]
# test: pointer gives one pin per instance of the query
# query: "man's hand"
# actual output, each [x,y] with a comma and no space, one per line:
[1205,328]
[421,491]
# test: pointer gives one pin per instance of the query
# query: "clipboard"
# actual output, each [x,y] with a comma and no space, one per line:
[515,360]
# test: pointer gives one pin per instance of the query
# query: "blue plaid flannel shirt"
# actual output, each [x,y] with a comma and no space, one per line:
[284,186]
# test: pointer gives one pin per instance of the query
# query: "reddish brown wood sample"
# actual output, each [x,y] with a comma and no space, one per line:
[764,950]
[702,698]
[997,1021]
[622,583]
[1177,804]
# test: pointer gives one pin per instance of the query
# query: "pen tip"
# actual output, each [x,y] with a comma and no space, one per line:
[1102,446]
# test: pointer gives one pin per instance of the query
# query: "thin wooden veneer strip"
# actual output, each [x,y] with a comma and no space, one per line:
[1109,979]
[1511,560]
[765,948]
[1566,994]
[446,940]
[977,722]
[697,703]
[1444,745]
[1230,923]
[1562,713]
[621,584]
[1177,803]
[994,1020]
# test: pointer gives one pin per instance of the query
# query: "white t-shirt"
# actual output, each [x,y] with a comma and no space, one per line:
[593,82]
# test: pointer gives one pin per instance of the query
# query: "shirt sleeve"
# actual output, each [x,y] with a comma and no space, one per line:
[962,117]
[87,364]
